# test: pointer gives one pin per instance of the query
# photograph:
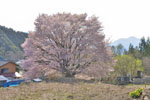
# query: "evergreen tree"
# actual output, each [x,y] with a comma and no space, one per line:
[131,49]
[142,46]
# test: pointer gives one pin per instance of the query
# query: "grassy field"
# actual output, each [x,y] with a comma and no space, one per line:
[66,91]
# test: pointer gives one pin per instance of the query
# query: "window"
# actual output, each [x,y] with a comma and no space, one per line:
[5,70]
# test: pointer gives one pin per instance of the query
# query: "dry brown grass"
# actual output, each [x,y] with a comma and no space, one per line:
[66,91]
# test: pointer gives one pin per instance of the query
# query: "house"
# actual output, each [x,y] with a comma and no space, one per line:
[7,68]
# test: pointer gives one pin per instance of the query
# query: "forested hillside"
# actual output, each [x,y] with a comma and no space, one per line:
[133,59]
[10,43]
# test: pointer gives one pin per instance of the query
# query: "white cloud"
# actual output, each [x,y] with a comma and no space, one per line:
[120,18]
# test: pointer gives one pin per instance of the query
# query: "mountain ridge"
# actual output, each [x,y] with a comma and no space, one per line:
[126,42]
[10,43]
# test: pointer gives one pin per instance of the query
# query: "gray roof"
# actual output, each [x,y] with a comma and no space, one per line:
[3,63]
[3,78]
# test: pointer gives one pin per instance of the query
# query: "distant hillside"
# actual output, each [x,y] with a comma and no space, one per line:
[126,42]
[10,43]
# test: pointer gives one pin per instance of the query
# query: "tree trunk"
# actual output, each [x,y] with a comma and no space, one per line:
[69,74]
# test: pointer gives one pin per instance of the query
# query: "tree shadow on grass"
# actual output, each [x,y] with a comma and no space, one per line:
[69,80]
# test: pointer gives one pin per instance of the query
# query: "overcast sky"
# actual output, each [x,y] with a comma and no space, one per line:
[120,18]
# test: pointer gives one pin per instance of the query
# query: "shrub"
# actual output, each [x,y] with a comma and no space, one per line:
[136,94]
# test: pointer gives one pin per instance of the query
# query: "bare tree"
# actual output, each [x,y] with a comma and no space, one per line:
[66,42]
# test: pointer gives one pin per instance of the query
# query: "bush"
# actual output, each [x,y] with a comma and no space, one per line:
[136,94]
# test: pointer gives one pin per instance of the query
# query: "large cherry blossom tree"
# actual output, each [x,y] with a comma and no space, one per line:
[68,43]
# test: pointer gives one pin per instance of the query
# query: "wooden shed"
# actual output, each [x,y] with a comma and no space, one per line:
[7,68]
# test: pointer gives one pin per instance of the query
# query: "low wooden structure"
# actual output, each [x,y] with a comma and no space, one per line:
[7,68]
